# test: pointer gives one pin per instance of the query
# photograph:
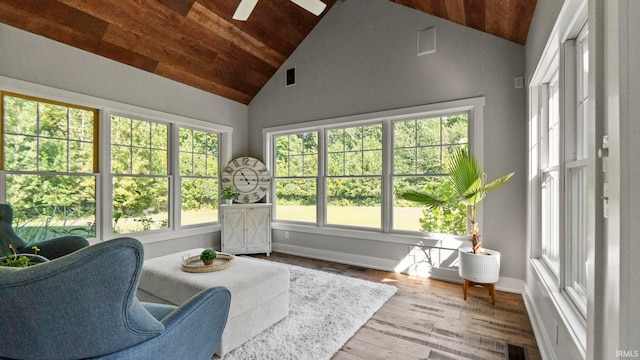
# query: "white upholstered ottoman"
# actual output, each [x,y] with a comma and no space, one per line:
[259,292]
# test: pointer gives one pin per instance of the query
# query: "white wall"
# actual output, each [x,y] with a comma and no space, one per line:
[40,61]
[362,58]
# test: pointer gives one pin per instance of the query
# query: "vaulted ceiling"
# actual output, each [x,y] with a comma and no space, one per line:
[196,42]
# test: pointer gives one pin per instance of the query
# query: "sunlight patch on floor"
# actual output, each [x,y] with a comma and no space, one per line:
[421,259]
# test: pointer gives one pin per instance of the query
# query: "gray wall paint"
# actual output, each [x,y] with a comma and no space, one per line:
[161,248]
[362,58]
[541,25]
[43,61]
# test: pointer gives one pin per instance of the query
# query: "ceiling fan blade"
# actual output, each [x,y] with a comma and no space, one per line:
[316,7]
[244,9]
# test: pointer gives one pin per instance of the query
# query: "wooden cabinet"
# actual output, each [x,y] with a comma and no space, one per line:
[246,228]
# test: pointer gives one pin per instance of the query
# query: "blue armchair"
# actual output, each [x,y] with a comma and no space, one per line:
[51,249]
[84,306]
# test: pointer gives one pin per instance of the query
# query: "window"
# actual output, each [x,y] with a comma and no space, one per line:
[49,155]
[550,185]
[354,176]
[420,153]
[158,177]
[576,167]
[295,176]
[139,164]
[199,162]
[561,99]
[337,173]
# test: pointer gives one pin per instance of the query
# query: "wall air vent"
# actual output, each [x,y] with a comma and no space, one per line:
[291,77]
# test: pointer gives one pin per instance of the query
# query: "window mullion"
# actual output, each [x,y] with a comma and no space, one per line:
[566,130]
[321,179]
[387,169]
[175,181]
[68,139]
[105,183]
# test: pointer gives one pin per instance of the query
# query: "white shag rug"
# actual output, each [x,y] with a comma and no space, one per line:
[325,310]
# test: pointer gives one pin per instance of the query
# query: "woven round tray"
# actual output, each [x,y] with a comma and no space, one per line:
[193,264]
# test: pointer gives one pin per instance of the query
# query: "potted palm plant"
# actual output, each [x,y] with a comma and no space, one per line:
[469,186]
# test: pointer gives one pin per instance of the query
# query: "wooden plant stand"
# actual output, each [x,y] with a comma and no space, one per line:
[491,287]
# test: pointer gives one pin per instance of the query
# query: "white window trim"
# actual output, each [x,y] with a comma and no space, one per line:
[567,311]
[106,109]
[570,153]
[175,169]
[323,148]
[474,106]
[571,19]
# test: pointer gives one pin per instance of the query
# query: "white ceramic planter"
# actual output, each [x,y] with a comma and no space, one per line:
[482,269]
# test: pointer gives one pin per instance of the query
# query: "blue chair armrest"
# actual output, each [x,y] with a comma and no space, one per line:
[158,311]
[193,331]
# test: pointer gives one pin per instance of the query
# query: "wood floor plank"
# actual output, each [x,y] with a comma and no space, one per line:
[407,319]
[430,320]
[344,355]
[371,344]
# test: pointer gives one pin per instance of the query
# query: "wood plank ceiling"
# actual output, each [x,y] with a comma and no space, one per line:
[196,42]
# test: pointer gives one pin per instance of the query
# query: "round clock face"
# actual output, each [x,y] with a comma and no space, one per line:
[249,176]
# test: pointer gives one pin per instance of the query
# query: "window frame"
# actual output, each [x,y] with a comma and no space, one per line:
[320,160]
[180,177]
[38,171]
[326,177]
[574,159]
[566,64]
[150,175]
[550,163]
[474,107]
[393,175]
[570,22]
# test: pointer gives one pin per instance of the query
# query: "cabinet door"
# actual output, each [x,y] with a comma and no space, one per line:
[233,231]
[258,230]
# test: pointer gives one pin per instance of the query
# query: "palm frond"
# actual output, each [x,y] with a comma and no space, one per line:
[422,198]
[465,174]
[497,182]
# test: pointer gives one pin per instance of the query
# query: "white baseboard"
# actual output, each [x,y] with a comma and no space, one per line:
[342,258]
[542,337]
[444,274]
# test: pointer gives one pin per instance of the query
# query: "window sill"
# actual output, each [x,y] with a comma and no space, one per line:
[569,314]
[166,235]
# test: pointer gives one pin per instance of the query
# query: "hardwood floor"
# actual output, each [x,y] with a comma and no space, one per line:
[429,319]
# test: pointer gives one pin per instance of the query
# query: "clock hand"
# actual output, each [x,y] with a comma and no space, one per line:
[245,178]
